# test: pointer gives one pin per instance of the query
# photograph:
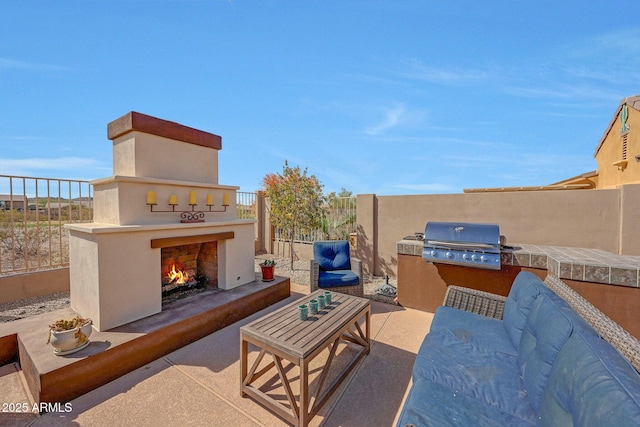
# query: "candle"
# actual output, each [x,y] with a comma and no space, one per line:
[173,200]
[192,198]
[151,197]
[225,199]
[209,199]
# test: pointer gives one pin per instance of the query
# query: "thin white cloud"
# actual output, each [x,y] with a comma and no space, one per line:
[612,75]
[562,91]
[432,187]
[515,158]
[6,63]
[415,69]
[392,117]
[622,43]
[43,166]
[597,67]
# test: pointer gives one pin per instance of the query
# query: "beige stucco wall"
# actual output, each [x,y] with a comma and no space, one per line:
[611,151]
[630,219]
[141,154]
[604,219]
[33,284]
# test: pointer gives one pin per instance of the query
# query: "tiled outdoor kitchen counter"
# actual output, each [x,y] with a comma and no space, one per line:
[581,264]
[608,281]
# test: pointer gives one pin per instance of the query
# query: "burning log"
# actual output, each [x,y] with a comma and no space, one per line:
[177,279]
[180,277]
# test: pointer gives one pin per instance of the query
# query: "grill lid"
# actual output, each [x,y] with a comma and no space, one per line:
[486,236]
[469,244]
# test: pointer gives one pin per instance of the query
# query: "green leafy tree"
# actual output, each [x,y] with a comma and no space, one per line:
[296,203]
[341,215]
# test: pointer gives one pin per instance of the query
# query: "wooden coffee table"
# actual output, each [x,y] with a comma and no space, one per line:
[284,337]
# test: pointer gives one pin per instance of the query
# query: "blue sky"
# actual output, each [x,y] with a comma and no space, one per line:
[386,97]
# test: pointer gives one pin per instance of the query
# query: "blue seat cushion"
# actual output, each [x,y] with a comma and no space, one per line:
[432,404]
[489,377]
[329,279]
[591,384]
[483,331]
[332,254]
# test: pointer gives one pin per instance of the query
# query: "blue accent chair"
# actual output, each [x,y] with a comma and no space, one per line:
[332,268]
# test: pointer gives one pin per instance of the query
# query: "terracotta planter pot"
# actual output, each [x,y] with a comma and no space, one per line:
[267,272]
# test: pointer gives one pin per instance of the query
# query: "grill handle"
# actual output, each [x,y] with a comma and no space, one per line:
[459,245]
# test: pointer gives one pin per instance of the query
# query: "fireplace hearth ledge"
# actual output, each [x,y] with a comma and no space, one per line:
[98,228]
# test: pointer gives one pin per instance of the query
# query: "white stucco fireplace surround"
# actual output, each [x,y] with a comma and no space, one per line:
[115,261]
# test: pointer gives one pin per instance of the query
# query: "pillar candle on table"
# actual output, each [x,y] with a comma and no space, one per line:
[173,200]
[192,198]
[225,199]
[151,197]
[209,199]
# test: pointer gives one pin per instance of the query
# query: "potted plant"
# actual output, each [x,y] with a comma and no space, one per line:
[267,267]
[69,336]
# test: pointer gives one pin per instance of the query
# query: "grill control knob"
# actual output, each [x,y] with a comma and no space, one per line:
[466,257]
[484,258]
[475,257]
[434,253]
[449,255]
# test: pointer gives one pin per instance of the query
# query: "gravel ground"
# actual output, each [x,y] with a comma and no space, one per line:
[33,306]
[299,274]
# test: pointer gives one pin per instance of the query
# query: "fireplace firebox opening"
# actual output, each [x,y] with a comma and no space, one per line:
[188,267]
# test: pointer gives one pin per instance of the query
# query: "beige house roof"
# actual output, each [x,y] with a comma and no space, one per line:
[529,188]
[589,179]
[16,197]
[581,182]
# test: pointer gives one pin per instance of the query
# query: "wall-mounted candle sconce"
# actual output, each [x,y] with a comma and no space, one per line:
[189,215]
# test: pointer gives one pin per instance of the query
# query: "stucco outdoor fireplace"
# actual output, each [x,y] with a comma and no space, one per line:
[162,206]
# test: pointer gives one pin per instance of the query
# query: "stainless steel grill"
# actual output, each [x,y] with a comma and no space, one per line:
[468,244]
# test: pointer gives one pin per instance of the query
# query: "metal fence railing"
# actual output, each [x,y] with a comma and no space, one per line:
[246,205]
[33,212]
[339,222]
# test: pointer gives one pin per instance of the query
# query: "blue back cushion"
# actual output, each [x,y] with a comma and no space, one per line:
[591,384]
[332,255]
[524,291]
[546,330]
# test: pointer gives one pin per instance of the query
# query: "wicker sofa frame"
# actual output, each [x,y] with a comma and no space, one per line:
[356,290]
[492,305]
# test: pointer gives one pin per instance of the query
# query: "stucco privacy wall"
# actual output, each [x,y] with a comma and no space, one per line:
[19,286]
[603,219]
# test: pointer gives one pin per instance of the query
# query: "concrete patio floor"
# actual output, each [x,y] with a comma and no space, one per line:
[199,383]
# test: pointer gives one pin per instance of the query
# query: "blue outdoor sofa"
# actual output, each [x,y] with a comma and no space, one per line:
[528,359]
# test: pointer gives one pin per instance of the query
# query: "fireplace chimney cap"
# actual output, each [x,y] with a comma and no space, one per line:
[134,121]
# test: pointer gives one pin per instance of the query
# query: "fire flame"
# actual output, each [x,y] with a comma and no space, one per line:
[176,276]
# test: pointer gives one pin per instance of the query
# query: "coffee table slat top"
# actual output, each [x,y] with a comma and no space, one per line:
[283,329]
